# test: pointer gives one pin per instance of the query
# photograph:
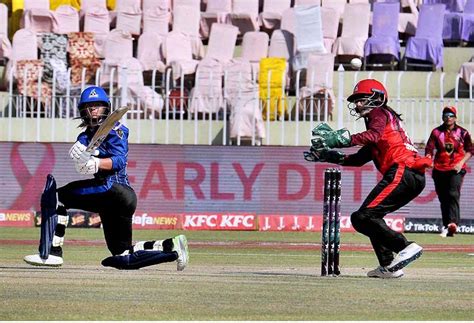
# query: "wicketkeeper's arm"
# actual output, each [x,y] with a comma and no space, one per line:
[361,157]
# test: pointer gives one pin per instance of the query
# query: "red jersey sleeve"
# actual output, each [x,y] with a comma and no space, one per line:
[375,123]
[468,143]
[430,145]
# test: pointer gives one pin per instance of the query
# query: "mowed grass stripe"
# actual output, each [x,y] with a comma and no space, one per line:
[234,283]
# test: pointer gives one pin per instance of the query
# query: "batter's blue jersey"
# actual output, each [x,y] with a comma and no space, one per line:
[115,147]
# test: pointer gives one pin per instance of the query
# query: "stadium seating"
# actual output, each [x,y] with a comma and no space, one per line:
[167,35]
[427,45]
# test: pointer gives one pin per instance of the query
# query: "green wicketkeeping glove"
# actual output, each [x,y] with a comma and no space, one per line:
[333,139]
[321,129]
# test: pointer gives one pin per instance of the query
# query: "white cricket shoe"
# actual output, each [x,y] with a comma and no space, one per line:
[382,272]
[405,257]
[444,232]
[180,245]
[51,261]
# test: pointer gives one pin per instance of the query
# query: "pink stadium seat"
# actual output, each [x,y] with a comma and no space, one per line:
[88,5]
[307,3]
[3,19]
[282,44]
[338,5]
[217,11]
[148,101]
[245,15]
[39,20]
[156,16]
[222,41]
[97,20]
[129,17]
[177,50]
[288,22]
[128,5]
[355,30]
[254,48]
[5,45]
[149,51]
[24,45]
[67,19]
[330,20]
[207,96]
[319,79]
[35,4]
[241,97]
[194,4]
[272,12]
[467,70]
[186,20]
[118,46]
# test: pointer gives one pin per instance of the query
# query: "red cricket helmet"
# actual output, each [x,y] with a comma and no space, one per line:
[369,88]
[451,109]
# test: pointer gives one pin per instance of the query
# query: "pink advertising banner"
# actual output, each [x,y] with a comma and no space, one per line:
[172,179]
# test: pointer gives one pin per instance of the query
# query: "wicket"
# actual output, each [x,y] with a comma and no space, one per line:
[330,234]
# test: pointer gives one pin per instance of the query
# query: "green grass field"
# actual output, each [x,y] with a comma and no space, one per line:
[235,276]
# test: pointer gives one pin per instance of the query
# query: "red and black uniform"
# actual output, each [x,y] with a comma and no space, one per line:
[386,143]
[451,146]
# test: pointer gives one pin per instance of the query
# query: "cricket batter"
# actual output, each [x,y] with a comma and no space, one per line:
[386,143]
[108,193]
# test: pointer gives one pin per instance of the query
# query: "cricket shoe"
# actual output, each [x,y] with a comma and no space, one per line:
[180,245]
[444,232]
[382,272]
[405,257]
[51,261]
[452,228]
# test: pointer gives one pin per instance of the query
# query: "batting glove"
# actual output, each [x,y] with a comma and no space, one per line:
[76,150]
[89,167]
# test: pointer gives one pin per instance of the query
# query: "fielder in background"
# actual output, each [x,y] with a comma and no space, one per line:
[109,193]
[453,149]
[386,143]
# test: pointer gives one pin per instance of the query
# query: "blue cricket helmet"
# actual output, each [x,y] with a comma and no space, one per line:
[92,97]
[93,94]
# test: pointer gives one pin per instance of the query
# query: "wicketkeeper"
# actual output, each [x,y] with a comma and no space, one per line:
[386,143]
[109,194]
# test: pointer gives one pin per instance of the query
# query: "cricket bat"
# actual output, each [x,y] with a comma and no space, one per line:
[105,128]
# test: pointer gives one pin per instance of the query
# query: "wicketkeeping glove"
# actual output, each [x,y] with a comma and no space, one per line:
[332,139]
[321,129]
[324,155]
[313,155]
[332,156]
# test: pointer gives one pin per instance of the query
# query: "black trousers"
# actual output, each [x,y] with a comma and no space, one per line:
[448,187]
[397,188]
[115,206]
